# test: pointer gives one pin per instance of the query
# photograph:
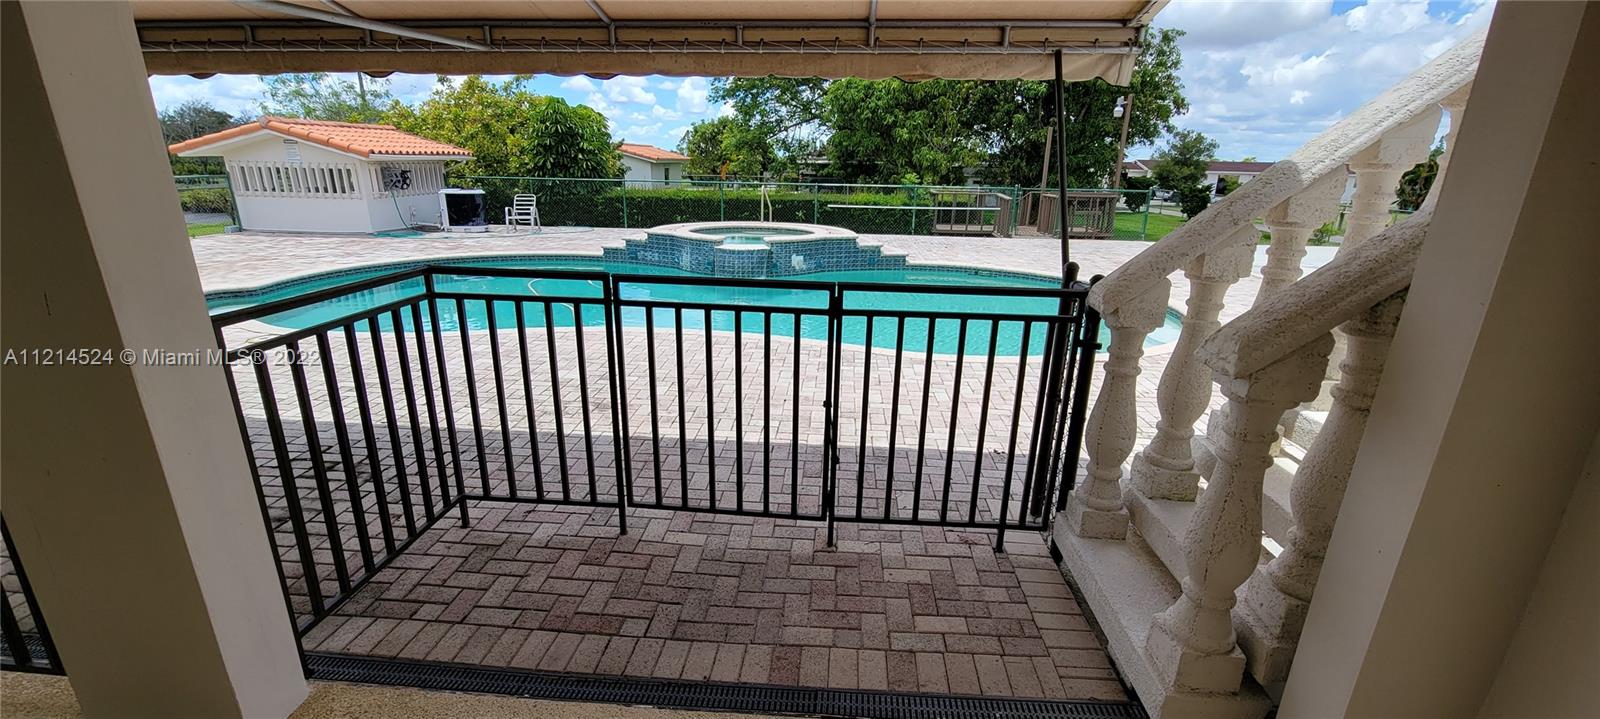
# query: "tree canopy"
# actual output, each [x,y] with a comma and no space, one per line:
[886,130]
[192,119]
[721,148]
[321,96]
[511,131]
[1183,163]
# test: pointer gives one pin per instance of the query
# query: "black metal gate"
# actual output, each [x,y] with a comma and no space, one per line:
[956,406]
[25,644]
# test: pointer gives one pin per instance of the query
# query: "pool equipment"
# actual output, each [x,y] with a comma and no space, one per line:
[462,210]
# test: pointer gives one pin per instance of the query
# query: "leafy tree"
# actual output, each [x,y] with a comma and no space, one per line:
[1135,201]
[720,148]
[884,130]
[1249,158]
[511,131]
[1417,181]
[1193,199]
[1019,114]
[1227,184]
[880,129]
[777,121]
[320,96]
[1182,164]
[193,119]
[190,120]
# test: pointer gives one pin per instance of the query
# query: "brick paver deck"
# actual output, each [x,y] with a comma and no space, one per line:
[694,596]
[690,595]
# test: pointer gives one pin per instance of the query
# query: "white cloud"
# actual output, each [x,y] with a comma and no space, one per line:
[624,88]
[578,83]
[640,133]
[1262,78]
[234,94]
[603,106]
[692,93]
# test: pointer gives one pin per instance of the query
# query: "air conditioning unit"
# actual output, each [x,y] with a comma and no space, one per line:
[462,210]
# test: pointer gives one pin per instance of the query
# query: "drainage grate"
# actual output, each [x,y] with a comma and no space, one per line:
[37,651]
[701,695]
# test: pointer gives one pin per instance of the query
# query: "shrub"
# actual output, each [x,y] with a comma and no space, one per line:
[1193,200]
[1135,201]
[215,200]
[592,203]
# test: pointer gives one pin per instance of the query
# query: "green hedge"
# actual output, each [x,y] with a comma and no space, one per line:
[611,204]
[216,200]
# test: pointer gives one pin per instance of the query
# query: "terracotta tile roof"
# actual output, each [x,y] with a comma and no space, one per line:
[354,138]
[650,152]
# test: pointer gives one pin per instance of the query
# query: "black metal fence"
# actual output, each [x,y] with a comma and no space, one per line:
[398,398]
[25,644]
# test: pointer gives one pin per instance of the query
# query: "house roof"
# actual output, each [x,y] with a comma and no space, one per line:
[1231,166]
[651,153]
[351,137]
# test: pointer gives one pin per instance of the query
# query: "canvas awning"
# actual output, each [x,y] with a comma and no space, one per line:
[909,39]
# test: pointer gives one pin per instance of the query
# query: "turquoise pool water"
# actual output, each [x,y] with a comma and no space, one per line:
[783,303]
[750,231]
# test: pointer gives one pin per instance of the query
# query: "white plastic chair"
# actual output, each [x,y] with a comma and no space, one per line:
[524,210]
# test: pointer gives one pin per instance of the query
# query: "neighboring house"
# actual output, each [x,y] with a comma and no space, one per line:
[648,162]
[1218,169]
[295,175]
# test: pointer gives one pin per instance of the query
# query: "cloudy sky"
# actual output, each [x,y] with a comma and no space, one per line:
[1262,76]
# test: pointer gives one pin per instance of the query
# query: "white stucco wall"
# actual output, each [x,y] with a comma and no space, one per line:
[302,187]
[635,170]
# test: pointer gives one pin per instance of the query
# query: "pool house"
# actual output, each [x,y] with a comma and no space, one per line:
[295,175]
[793,468]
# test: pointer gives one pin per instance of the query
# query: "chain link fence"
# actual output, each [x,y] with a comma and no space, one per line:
[207,202]
[865,209]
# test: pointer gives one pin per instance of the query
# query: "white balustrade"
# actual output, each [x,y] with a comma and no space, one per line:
[1292,223]
[1094,508]
[1378,169]
[1456,105]
[1165,468]
[1277,598]
[1192,644]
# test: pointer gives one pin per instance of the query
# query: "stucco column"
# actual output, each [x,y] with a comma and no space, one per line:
[1488,407]
[1094,508]
[126,485]
[1275,598]
[1192,644]
[1165,469]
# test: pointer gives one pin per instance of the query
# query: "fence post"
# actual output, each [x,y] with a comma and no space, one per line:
[233,200]
[624,203]
[722,200]
[1144,229]
[816,203]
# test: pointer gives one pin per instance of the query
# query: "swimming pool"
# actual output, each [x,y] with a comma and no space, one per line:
[656,285]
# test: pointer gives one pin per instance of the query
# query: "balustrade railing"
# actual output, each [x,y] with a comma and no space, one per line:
[1196,503]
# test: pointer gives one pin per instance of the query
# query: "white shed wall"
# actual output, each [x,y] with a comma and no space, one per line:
[302,187]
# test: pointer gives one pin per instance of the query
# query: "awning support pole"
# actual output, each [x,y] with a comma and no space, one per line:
[1061,167]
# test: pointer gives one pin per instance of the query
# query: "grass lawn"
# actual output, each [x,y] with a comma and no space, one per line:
[208,228]
[1129,224]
